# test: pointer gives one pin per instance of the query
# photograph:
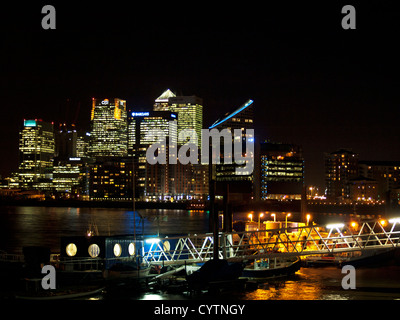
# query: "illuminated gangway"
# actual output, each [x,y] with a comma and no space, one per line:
[284,242]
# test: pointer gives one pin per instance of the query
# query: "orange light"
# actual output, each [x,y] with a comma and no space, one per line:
[383,222]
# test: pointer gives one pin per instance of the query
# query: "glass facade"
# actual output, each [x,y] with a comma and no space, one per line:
[189,111]
[140,136]
[36,149]
[108,136]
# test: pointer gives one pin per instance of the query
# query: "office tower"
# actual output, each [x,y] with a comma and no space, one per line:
[108,136]
[340,167]
[151,180]
[161,103]
[282,171]
[65,142]
[240,184]
[189,110]
[82,144]
[36,150]
[190,115]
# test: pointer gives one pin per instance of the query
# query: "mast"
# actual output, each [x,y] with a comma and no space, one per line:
[133,197]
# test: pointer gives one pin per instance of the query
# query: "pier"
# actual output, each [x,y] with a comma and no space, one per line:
[284,242]
[239,246]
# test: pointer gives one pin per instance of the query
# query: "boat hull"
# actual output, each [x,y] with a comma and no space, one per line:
[287,270]
[129,274]
[377,257]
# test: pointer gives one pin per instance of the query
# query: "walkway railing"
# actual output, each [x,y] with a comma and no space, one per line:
[306,240]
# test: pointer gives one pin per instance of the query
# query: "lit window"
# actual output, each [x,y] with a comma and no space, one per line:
[117,250]
[94,250]
[166,246]
[71,249]
[131,249]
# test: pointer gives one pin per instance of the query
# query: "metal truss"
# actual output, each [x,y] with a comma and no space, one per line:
[307,240]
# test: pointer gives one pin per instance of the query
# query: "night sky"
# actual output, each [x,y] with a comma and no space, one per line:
[313,83]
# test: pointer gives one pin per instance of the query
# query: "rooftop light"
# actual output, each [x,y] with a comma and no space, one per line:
[394,220]
[249,102]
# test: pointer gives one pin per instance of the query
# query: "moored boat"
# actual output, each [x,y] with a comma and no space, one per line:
[74,293]
[271,268]
[121,271]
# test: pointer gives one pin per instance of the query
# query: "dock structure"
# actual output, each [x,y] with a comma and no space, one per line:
[283,242]
[365,236]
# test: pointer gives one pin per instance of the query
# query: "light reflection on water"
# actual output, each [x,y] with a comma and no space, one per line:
[23,226]
[43,226]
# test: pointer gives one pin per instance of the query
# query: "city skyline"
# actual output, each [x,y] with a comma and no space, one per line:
[313,83]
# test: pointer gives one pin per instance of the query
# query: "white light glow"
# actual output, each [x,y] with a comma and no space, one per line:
[336,225]
[152,240]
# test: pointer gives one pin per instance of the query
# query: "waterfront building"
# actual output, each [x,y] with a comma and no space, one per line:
[189,182]
[108,135]
[340,167]
[363,189]
[386,173]
[71,178]
[36,151]
[111,179]
[282,171]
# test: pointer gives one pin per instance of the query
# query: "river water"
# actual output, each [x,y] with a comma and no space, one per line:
[43,226]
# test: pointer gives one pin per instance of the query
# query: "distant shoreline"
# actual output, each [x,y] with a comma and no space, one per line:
[95,204]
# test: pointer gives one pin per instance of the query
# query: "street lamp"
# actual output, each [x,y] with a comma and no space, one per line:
[287,215]
[273,215]
[259,217]
[308,216]
[250,215]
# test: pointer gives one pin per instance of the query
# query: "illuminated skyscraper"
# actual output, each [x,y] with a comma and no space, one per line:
[188,108]
[36,149]
[108,135]
[140,137]
[161,103]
